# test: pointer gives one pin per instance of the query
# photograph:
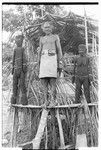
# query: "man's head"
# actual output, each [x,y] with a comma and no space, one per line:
[82,49]
[47,27]
[19,39]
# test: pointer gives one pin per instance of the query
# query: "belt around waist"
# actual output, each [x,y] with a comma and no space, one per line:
[49,53]
[15,67]
[82,76]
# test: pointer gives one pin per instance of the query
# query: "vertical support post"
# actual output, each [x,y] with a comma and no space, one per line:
[76,120]
[13,115]
[30,121]
[34,121]
[95,46]
[54,139]
[62,142]
[42,11]
[15,128]
[86,34]
[93,43]
[53,128]
[46,141]
[81,140]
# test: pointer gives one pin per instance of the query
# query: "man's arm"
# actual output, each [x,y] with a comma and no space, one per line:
[24,61]
[90,69]
[74,66]
[39,51]
[13,62]
[73,78]
[89,66]
[59,53]
[59,50]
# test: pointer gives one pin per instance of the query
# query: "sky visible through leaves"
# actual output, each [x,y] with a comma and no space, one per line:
[91,10]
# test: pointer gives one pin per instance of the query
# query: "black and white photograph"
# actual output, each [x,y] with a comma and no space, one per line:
[50,59]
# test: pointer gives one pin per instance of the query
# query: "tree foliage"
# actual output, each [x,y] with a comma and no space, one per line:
[11,21]
[71,28]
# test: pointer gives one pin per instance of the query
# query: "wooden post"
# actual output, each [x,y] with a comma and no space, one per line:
[53,128]
[42,9]
[86,34]
[95,46]
[13,115]
[46,141]
[53,138]
[33,123]
[30,121]
[15,128]
[81,140]
[40,131]
[60,129]
[93,43]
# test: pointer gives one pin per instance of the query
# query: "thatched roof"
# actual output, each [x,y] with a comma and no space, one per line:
[70,28]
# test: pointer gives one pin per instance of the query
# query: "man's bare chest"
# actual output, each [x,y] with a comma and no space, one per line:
[48,40]
[82,61]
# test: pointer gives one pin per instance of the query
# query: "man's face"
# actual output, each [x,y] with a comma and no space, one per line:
[47,28]
[82,51]
[19,40]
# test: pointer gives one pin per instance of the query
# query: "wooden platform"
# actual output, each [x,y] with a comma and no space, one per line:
[42,125]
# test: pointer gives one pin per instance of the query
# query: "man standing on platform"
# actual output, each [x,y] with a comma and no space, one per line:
[19,69]
[82,74]
[49,57]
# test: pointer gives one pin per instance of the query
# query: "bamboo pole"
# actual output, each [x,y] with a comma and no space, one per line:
[93,43]
[86,34]
[61,106]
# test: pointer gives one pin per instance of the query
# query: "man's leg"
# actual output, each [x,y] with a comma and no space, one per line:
[44,83]
[53,91]
[78,92]
[86,86]
[15,88]
[24,100]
